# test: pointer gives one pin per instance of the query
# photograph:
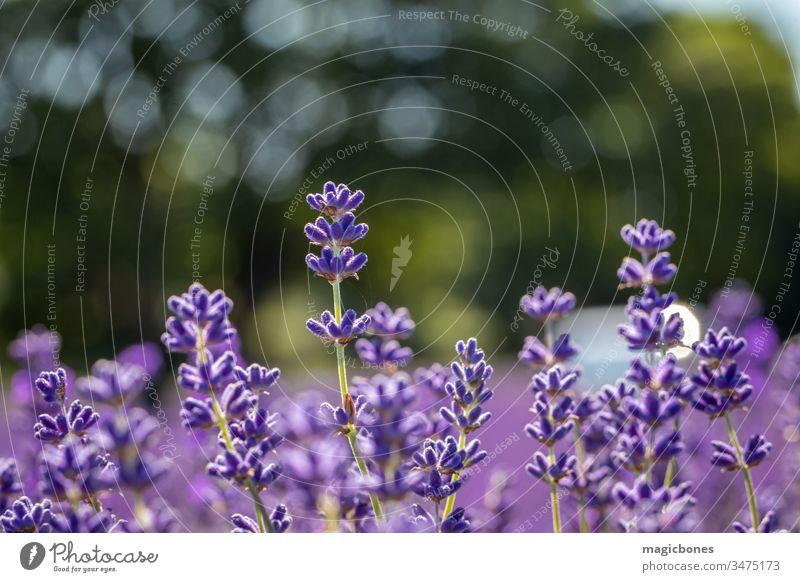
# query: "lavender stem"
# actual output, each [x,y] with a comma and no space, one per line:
[748,482]
[342,368]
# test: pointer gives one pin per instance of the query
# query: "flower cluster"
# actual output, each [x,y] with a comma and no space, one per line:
[643,411]
[386,327]
[554,408]
[229,395]
[721,388]
[100,454]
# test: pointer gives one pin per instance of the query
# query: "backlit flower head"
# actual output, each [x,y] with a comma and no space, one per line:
[335,200]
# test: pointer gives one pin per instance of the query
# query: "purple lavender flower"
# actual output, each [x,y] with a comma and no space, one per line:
[551,471]
[9,482]
[243,464]
[647,236]
[333,266]
[547,305]
[330,332]
[446,457]
[553,381]
[207,374]
[390,324]
[112,382]
[77,420]
[392,427]
[666,375]
[433,378]
[75,472]
[650,331]
[280,519]
[257,426]
[726,458]
[85,519]
[769,524]
[643,493]
[378,353]
[634,453]
[34,348]
[237,400]
[52,385]
[421,520]
[243,524]
[468,391]
[200,320]
[257,377]
[535,353]
[343,418]
[340,233]
[196,413]
[436,488]
[720,346]
[650,300]
[653,410]
[657,271]
[335,200]
[200,306]
[25,516]
[722,389]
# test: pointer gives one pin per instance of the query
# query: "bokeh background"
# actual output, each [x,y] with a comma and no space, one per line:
[263,97]
[149,144]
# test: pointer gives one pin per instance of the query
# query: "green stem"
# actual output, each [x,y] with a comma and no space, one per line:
[364,470]
[437,519]
[748,481]
[342,369]
[579,452]
[554,495]
[451,501]
[264,523]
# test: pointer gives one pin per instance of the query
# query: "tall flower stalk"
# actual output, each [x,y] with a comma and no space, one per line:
[334,231]
[228,399]
[553,408]
[468,392]
[722,389]
[643,410]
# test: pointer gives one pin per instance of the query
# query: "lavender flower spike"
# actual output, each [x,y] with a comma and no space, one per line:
[52,385]
[647,237]
[25,516]
[335,200]
[547,305]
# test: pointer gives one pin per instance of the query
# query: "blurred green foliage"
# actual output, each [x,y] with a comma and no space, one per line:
[463,174]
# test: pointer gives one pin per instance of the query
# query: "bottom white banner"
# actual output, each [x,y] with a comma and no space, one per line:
[391,557]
